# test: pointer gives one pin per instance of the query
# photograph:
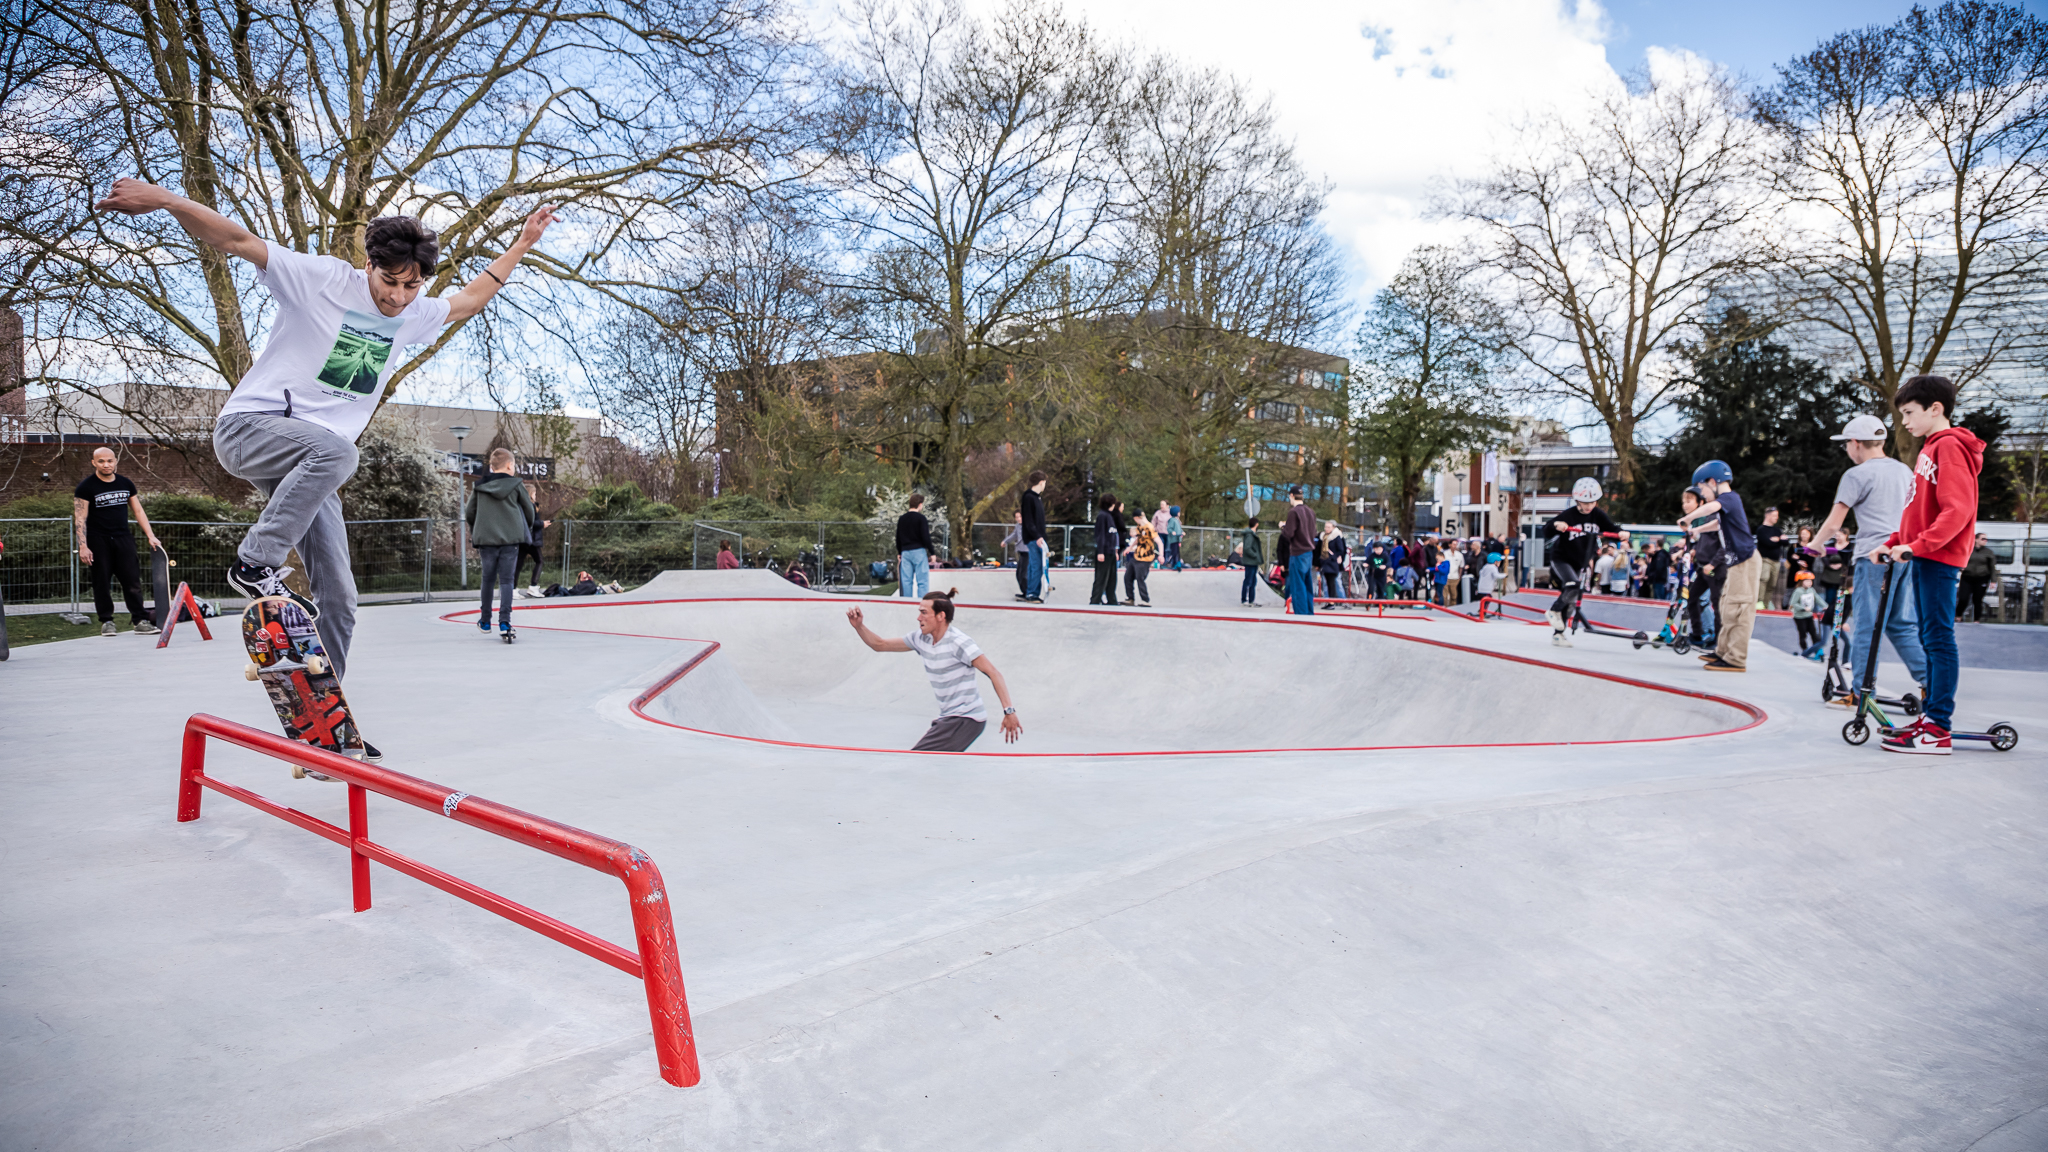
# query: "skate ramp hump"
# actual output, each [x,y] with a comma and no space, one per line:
[792,670]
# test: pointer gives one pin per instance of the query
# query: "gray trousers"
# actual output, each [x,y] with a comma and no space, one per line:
[299,466]
[500,567]
[950,734]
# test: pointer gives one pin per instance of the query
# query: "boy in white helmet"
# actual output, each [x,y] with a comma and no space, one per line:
[1575,537]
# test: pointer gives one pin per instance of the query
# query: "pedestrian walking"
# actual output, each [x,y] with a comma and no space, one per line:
[1334,561]
[100,507]
[1013,547]
[1770,544]
[1174,534]
[530,547]
[951,658]
[914,550]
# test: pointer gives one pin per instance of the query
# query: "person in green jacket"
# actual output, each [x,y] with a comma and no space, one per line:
[1252,555]
[501,517]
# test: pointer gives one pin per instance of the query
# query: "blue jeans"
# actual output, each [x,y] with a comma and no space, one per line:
[1034,569]
[1299,584]
[1250,592]
[1935,587]
[1903,628]
[913,568]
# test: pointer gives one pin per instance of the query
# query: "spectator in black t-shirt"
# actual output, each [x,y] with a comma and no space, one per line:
[99,511]
[1770,544]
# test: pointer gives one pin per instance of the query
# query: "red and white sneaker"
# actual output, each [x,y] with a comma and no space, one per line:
[1918,737]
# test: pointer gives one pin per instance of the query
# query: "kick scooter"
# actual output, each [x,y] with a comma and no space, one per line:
[2001,736]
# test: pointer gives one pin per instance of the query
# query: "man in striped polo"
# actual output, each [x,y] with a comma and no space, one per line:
[951,657]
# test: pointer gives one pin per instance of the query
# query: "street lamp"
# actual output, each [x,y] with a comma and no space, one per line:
[461,525]
[1251,502]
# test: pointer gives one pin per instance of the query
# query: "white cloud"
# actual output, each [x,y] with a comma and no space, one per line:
[1383,96]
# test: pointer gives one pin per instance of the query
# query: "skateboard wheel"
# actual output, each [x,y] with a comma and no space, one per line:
[250,671]
[315,665]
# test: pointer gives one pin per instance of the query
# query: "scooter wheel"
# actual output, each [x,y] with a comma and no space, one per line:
[1910,704]
[1681,646]
[1827,693]
[1642,638]
[1856,731]
[2004,737]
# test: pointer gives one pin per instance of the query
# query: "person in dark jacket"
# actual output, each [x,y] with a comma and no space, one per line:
[1107,545]
[913,550]
[1299,536]
[532,545]
[1377,565]
[1657,571]
[1977,573]
[1252,555]
[501,517]
[1032,509]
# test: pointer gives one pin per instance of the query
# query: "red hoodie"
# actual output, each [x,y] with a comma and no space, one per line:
[1941,518]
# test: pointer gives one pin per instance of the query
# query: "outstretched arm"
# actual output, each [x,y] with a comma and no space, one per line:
[478,292]
[135,198]
[1012,727]
[868,637]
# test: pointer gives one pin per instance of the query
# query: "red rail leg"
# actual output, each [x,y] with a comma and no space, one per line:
[191,767]
[661,972]
[358,835]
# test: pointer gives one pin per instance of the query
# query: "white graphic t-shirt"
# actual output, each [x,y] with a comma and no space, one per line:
[330,349]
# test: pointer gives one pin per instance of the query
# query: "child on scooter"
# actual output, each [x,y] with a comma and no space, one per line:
[1934,534]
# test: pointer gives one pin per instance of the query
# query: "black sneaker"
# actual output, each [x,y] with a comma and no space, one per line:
[257,580]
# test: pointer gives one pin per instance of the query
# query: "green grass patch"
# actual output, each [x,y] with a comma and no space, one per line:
[46,627]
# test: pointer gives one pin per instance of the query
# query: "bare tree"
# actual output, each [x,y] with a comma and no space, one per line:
[1431,354]
[1612,233]
[1917,157]
[980,200]
[305,122]
[1239,282]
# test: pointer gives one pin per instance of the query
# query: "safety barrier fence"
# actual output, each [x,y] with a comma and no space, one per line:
[1406,607]
[654,964]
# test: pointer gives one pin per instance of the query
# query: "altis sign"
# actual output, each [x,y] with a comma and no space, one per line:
[476,464]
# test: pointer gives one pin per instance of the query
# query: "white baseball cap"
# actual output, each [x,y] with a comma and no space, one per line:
[1863,428]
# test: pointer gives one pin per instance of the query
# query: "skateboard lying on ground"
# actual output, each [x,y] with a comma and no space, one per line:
[285,654]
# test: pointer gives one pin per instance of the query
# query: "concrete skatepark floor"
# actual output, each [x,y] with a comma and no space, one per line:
[1762,939]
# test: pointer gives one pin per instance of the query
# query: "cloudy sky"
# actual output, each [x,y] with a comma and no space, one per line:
[1385,96]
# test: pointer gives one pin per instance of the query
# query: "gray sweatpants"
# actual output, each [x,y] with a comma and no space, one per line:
[299,466]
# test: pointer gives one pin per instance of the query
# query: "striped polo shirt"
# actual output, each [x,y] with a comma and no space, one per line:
[950,665]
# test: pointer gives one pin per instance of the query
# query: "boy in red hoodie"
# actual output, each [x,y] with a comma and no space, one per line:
[1936,531]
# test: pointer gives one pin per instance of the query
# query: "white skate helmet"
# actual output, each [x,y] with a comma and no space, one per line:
[1585,490]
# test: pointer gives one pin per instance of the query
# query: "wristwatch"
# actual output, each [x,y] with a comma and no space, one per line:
[1009,711]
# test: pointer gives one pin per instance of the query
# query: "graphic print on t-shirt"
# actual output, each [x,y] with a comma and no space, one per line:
[361,350]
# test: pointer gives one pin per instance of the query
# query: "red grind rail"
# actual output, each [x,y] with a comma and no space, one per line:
[638,706]
[655,965]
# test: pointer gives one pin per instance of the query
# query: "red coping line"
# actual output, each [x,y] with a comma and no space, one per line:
[638,705]
[655,964]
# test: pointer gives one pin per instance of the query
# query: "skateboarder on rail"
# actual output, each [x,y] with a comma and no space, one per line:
[291,425]
[951,658]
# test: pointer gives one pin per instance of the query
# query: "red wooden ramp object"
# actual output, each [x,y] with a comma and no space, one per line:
[184,599]
[654,964]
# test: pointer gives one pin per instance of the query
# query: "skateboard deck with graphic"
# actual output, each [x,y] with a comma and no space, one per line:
[160,565]
[285,654]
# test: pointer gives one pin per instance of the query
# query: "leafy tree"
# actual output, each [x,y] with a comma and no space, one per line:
[1996,494]
[1768,413]
[1428,353]
[627,502]
[398,474]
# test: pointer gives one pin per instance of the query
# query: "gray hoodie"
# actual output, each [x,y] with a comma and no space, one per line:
[500,513]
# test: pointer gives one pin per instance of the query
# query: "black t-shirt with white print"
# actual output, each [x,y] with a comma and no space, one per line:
[107,502]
